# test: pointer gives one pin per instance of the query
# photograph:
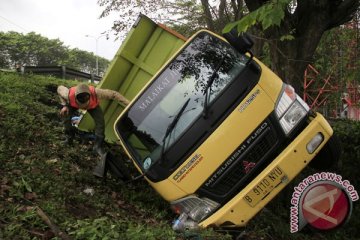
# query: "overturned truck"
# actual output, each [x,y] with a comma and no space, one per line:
[212,129]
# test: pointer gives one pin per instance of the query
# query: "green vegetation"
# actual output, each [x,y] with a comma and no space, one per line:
[31,49]
[37,171]
[289,31]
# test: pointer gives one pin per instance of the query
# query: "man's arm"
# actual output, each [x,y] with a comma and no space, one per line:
[111,95]
[63,93]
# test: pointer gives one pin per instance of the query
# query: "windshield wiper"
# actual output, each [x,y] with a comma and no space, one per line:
[171,127]
[208,85]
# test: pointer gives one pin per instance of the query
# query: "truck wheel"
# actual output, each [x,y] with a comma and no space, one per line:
[329,155]
[116,166]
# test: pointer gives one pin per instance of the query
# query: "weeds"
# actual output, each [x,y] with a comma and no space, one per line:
[37,170]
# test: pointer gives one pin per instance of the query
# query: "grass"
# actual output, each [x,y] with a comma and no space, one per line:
[36,170]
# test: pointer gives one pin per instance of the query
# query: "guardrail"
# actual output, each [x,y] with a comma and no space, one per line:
[59,71]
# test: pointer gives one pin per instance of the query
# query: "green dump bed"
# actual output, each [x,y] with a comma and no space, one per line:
[146,48]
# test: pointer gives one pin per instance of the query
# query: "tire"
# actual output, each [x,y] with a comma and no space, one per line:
[116,167]
[329,156]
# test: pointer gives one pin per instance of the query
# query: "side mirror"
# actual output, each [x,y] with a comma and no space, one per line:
[241,42]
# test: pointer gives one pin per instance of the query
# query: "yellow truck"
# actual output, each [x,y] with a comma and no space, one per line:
[216,133]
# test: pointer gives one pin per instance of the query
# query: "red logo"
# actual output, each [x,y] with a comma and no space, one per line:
[248,166]
[325,206]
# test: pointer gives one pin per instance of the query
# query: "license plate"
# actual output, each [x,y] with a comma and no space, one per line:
[265,186]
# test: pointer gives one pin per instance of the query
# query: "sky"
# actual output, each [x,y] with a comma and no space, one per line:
[70,21]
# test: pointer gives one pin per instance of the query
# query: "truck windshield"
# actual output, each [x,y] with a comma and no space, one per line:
[181,86]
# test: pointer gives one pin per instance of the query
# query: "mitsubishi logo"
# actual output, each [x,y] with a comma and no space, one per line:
[248,166]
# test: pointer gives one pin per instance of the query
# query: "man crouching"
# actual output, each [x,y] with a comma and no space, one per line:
[87,98]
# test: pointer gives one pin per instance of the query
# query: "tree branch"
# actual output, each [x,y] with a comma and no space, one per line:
[222,6]
[53,227]
[208,18]
[235,9]
[343,13]
[252,5]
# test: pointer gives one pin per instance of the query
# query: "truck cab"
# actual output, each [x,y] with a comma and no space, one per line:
[217,134]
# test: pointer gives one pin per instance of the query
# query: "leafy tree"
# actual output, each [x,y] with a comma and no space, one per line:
[338,52]
[307,21]
[292,29]
[12,49]
[3,53]
[17,49]
[83,60]
[30,49]
[189,14]
[86,61]
[337,60]
[42,51]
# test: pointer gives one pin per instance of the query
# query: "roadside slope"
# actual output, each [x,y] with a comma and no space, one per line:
[38,171]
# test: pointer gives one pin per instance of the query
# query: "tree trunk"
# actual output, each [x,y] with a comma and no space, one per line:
[310,20]
[290,58]
[208,17]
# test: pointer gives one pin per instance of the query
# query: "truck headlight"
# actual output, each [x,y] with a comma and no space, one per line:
[290,109]
[196,208]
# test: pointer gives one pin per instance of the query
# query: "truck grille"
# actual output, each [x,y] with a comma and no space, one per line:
[241,166]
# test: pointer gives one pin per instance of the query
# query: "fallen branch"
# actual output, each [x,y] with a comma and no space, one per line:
[55,229]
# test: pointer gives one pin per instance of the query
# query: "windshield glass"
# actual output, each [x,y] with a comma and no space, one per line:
[180,88]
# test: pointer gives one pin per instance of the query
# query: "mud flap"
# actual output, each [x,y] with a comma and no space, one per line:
[112,164]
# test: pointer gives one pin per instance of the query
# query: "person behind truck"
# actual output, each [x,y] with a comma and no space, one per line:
[87,98]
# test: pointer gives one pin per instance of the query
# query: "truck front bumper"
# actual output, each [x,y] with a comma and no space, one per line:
[285,167]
